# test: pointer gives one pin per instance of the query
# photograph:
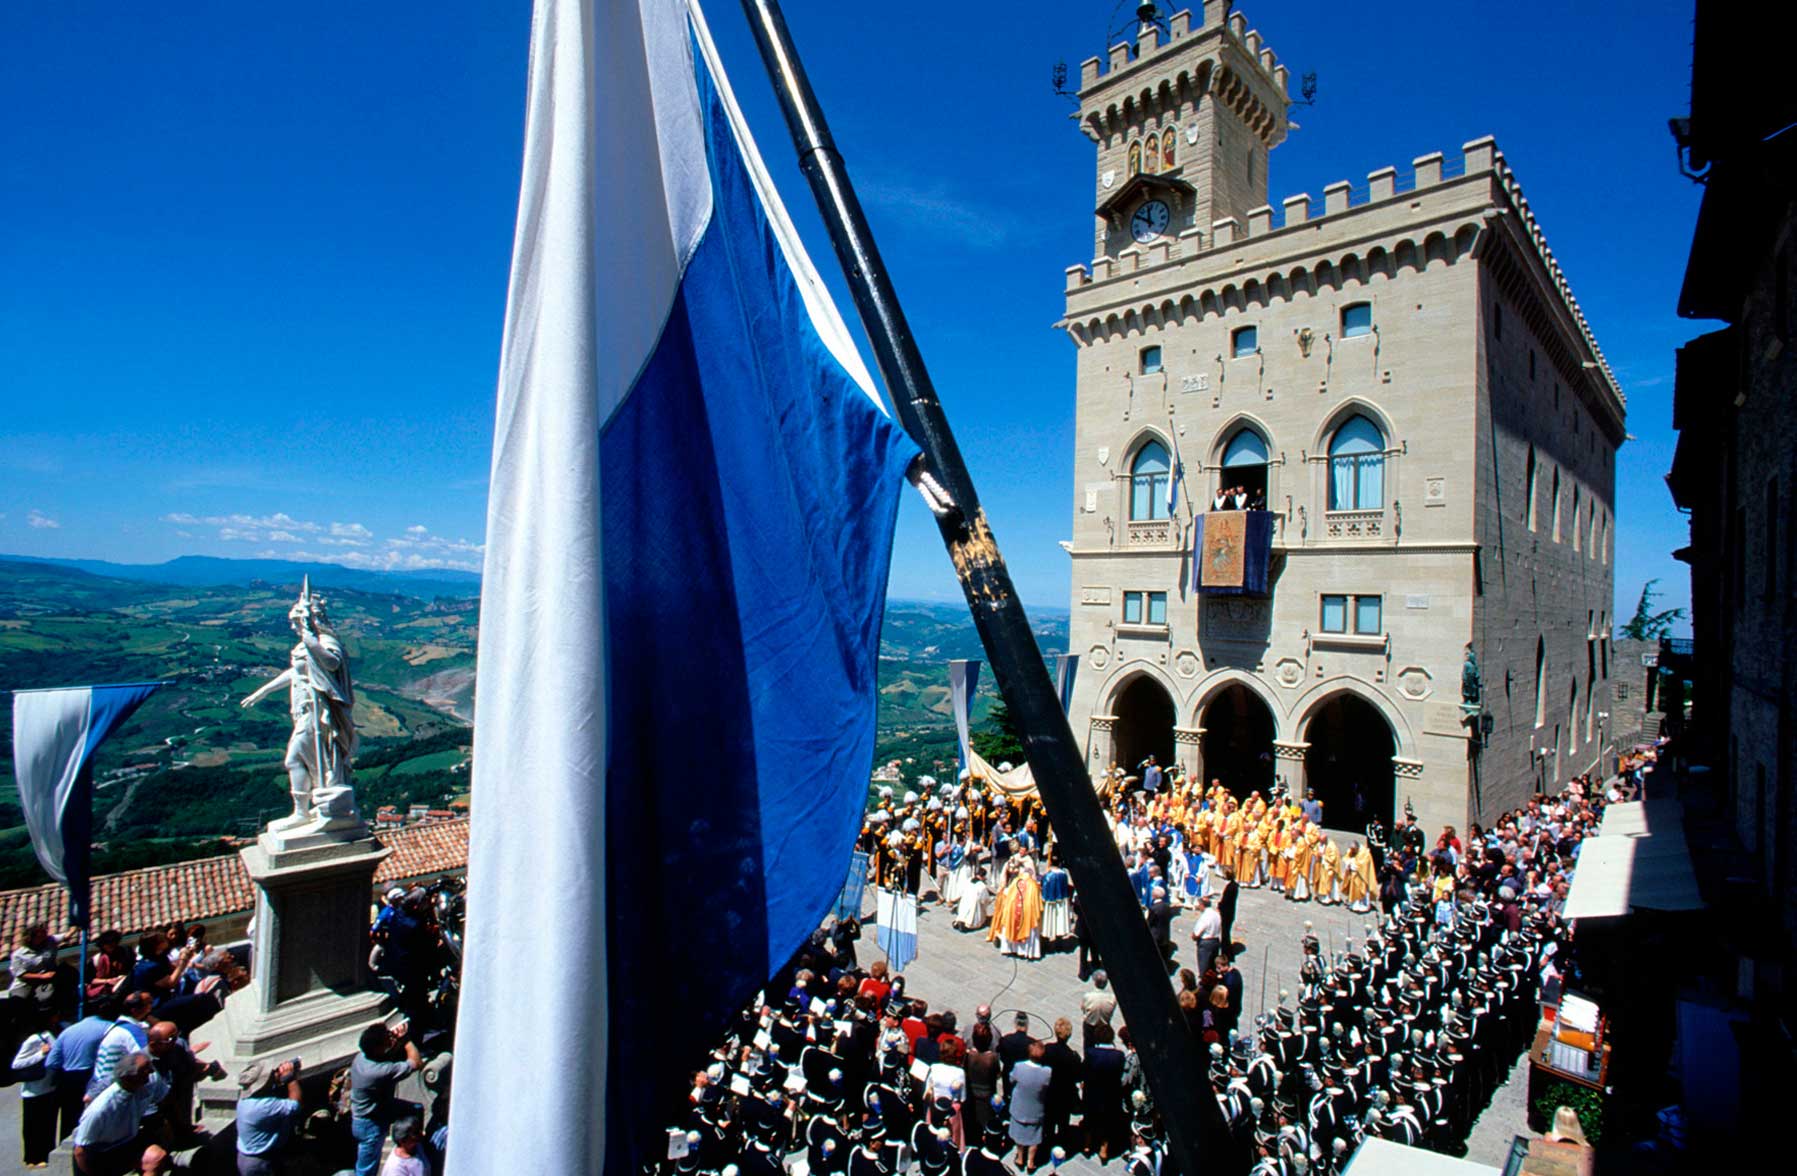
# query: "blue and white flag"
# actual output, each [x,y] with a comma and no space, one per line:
[1066,666]
[895,919]
[54,736]
[963,680]
[689,531]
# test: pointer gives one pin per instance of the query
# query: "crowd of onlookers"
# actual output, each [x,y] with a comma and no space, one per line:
[109,1062]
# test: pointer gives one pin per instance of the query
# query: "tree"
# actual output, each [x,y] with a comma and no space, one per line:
[997,740]
[1646,624]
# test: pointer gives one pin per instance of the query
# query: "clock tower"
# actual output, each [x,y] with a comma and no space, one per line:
[1183,120]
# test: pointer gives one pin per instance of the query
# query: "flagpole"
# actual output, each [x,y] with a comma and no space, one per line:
[1198,1136]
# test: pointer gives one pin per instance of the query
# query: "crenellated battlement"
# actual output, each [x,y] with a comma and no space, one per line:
[1108,84]
[1343,200]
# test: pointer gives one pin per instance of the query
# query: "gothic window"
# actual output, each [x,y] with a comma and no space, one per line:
[1554,506]
[1575,519]
[1528,505]
[1135,157]
[1540,682]
[1357,319]
[1357,466]
[1151,162]
[1148,482]
[1245,464]
[1169,142]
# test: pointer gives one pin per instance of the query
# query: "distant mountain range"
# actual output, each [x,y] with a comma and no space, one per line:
[205,571]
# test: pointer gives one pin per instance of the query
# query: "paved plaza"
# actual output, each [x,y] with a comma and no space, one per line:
[960,970]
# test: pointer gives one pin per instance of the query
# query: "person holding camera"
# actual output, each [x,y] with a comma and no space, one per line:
[385,1058]
[268,1114]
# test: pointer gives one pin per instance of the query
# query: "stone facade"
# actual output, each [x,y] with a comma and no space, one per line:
[1427,304]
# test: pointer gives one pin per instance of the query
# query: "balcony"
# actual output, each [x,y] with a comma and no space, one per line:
[1150,534]
[1349,525]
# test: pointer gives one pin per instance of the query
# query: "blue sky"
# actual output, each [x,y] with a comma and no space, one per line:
[254,263]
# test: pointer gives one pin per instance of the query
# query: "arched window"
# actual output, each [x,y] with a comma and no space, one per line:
[1577,542]
[1554,505]
[1528,506]
[1148,482]
[1151,159]
[1168,142]
[1540,682]
[1135,157]
[1357,466]
[1245,466]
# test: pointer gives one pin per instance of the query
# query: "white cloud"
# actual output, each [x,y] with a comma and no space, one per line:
[240,534]
[351,531]
[384,561]
[279,521]
[41,521]
[278,537]
[416,530]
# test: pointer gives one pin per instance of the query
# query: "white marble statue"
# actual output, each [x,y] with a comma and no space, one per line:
[320,698]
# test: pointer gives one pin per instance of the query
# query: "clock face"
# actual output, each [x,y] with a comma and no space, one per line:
[1150,221]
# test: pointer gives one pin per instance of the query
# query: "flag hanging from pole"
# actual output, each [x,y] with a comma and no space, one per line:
[54,736]
[963,680]
[1066,666]
[689,531]
[895,924]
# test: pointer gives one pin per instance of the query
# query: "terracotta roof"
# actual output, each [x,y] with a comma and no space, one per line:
[216,887]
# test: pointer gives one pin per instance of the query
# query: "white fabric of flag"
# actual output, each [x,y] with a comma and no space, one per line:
[689,532]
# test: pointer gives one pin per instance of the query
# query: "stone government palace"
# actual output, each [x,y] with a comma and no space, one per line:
[1404,378]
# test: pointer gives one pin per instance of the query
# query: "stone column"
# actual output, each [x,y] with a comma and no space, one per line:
[1288,766]
[1407,783]
[1101,744]
[309,995]
[1188,749]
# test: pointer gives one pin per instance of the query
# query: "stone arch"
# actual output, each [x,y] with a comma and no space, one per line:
[1144,705]
[1214,455]
[1278,289]
[1378,262]
[1407,256]
[1348,766]
[1351,269]
[1323,275]
[1217,681]
[1306,706]
[1464,237]
[1240,719]
[1352,406]
[1143,436]
[1435,248]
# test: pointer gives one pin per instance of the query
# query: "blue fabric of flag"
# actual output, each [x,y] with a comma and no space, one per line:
[742,644]
[55,735]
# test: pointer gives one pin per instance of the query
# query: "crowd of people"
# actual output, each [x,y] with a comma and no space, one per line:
[1402,1034]
[110,1065]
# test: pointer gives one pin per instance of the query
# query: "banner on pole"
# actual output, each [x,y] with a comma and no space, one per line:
[895,916]
[854,887]
[54,736]
[963,680]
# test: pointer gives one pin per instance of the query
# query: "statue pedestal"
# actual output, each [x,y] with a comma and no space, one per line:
[309,997]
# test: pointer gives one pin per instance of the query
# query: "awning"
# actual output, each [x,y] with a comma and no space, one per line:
[1015,784]
[1638,862]
[1382,1157]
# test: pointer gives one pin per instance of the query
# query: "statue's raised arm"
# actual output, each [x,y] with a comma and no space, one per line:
[321,701]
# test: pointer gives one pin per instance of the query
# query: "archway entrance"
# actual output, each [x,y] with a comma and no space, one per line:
[1238,741]
[1144,724]
[1348,766]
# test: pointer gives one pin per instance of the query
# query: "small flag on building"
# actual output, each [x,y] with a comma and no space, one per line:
[54,736]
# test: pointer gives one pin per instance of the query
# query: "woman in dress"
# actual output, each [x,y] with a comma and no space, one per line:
[947,1079]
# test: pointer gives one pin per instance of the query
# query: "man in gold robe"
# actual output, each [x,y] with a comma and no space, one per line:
[1017,916]
[1329,873]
